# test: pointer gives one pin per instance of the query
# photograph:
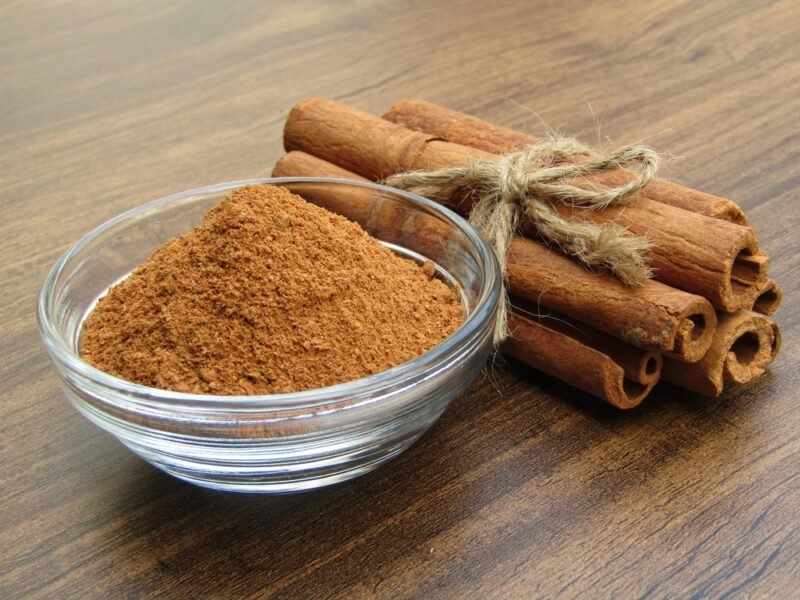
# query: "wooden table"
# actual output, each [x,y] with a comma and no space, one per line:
[525,487]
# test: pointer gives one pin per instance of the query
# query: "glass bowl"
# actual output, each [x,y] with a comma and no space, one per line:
[279,442]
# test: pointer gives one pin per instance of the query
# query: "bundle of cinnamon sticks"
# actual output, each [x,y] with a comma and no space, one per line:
[701,323]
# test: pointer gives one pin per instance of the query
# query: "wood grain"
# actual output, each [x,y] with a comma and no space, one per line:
[525,488]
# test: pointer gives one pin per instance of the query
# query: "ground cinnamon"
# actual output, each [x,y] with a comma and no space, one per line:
[268,294]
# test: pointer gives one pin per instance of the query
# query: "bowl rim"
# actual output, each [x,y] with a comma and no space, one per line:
[428,361]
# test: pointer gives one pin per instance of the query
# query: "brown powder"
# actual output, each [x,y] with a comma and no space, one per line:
[268,294]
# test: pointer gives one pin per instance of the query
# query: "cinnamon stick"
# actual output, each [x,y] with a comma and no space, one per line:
[698,254]
[650,316]
[769,298]
[640,366]
[653,316]
[744,345]
[538,344]
[460,128]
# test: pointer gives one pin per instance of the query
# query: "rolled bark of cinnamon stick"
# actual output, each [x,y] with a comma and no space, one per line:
[744,345]
[555,352]
[650,316]
[697,254]
[460,128]
[769,298]
[302,164]
[777,340]
[653,316]
[640,366]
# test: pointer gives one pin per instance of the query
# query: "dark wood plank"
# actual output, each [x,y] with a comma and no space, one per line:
[525,487]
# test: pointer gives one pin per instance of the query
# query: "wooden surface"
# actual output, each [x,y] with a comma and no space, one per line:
[524,488]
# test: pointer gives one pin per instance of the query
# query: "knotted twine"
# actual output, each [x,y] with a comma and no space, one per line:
[527,184]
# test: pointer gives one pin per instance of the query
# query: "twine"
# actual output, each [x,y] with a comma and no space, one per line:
[527,183]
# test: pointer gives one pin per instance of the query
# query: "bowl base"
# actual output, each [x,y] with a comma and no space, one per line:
[255,486]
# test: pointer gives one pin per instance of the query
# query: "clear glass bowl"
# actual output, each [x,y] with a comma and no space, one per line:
[280,442]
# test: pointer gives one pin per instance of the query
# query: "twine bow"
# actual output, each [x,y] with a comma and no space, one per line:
[528,183]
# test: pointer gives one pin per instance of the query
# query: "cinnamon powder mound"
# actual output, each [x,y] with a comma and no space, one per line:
[268,294]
